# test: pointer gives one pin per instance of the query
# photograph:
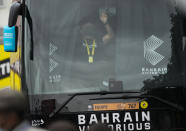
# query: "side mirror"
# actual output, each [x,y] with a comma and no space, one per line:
[15,11]
[10,33]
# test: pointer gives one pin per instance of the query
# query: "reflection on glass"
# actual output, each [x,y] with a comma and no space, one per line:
[107,45]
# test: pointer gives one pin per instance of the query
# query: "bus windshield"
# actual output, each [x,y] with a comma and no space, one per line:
[97,45]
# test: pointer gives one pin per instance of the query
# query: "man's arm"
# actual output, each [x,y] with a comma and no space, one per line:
[110,34]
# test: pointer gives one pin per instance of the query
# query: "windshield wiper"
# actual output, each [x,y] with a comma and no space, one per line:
[144,96]
[88,93]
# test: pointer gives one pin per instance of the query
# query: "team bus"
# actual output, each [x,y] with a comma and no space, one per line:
[4,65]
[9,76]
[117,62]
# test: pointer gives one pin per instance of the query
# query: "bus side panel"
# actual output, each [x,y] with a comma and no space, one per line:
[15,70]
[15,62]
[4,68]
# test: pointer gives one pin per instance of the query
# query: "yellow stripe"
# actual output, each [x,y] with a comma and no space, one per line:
[4,82]
[3,55]
[15,81]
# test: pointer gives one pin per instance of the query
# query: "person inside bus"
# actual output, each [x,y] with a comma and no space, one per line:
[98,29]
[94,51]
[95,33]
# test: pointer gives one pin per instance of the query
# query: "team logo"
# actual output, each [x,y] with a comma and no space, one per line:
[150,45]
[52,63]
[144,105]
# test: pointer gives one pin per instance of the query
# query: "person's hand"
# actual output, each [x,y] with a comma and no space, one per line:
[103,17]
[106,39]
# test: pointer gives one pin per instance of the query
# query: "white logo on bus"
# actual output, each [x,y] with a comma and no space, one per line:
[150,45]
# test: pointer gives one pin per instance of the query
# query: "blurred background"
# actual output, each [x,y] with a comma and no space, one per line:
[181,5]
[4,56]
[4,12]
